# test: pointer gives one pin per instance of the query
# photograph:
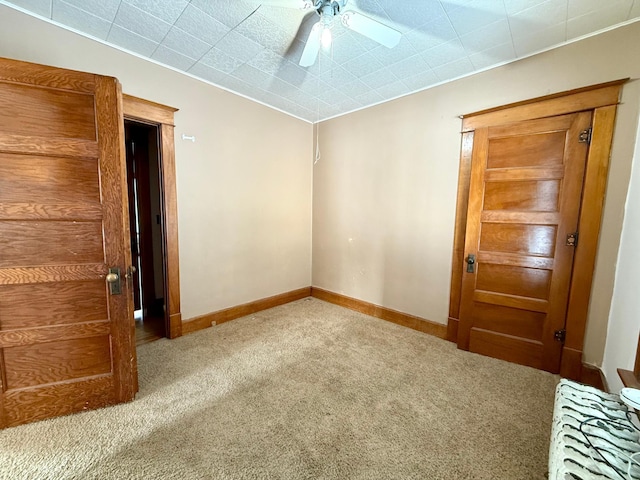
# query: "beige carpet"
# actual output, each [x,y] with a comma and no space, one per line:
[307,390]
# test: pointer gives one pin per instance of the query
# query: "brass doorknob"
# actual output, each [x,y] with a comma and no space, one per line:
[112,277]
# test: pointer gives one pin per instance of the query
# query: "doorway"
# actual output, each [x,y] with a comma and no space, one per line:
[142,146]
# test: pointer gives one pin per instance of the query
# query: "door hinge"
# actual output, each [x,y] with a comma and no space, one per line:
[560,335]
[572,239]
[585,135]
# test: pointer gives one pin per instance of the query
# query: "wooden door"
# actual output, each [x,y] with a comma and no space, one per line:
[66,343]
[524,200]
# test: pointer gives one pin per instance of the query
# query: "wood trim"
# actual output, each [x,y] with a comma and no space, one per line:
[570,101]
[592,375]
[629,379]
[464,179]
[170,226]
[117,247]
[162,116]
[595,183]
[139,109]
[452,329]
[603,100]
[400,318]
[222,316]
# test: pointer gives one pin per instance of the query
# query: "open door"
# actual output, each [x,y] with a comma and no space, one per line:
[66,316]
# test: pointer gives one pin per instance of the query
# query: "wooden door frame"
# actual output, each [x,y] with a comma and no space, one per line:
[137,109]
[602,99]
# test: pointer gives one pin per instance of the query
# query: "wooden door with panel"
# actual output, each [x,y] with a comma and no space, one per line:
[524,202]
[66,341]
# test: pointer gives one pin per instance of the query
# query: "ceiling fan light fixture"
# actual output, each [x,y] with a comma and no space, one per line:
[326,37]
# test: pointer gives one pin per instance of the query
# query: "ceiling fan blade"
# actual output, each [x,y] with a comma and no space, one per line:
[303,32]
[312,47]
[371,28]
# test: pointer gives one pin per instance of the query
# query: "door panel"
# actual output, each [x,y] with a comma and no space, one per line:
[66,343]
[525,191]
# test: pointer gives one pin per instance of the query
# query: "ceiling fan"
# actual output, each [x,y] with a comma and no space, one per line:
[329,10]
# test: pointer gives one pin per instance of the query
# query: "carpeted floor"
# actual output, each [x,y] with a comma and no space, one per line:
[307,390]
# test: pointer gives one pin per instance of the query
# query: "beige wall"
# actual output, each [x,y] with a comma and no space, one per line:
[624,319]
[384,191]
[244,187]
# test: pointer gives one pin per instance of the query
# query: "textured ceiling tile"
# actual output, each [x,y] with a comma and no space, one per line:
[454,69]
[266,33]
[201,25]
[365,42]
[185,44]
[486,37]
[369,98]
[208,73]
[344,49]
[106,9]
[392,90]
[221,61]
[336,75]
[445,53]
[291,73]
[267,61]
[279,87]
[167,10]
[493,56]
[475,15]
[131,41]
[239,46]
[388,56]
[410,67]
[379,78]
[41,7]
[252,75]
[539,40]
[231,13]
[421,81]
[355,88]
[171,57]
[349,105]
[363,65]
[79,19]
[287,19]
[333,96]
[515,6]
[313,86]
[598,19]
[141,23]
[239,86]
[542,15]
[432,34]
[578,8]
[370,8]
[411,14]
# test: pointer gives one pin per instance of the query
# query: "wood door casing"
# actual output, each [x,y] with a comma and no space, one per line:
[66,344]
[524,199]
[602,100]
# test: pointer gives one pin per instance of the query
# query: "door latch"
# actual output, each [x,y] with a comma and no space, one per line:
[560,335]
[471,263]
[113,279]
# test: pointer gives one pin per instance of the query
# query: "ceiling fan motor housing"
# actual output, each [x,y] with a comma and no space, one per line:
[329,8]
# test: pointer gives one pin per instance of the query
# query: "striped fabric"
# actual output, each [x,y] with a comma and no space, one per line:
[592,436]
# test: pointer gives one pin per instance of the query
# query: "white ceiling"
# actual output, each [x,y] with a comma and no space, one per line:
[258,56]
